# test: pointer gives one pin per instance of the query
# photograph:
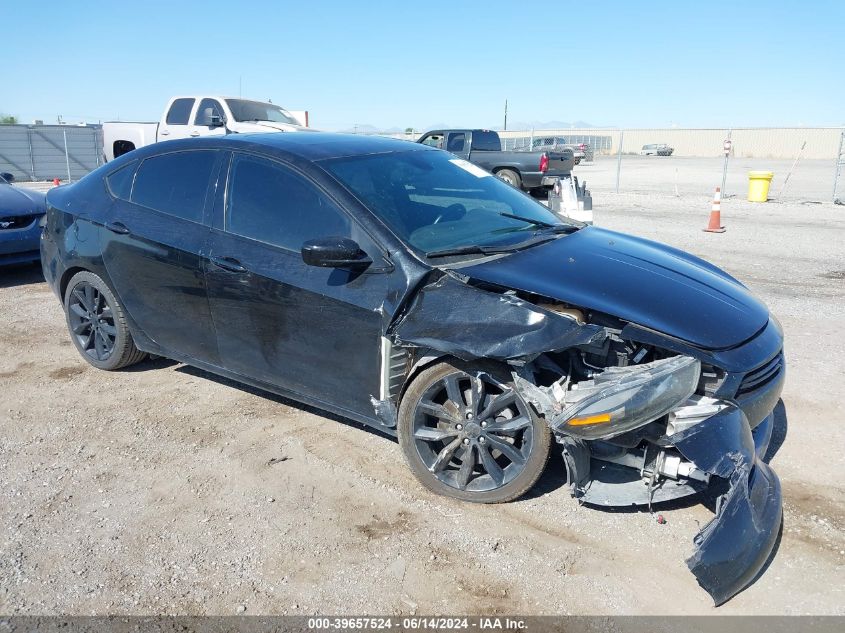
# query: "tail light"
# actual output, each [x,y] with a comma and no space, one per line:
[544,163]
[582,147]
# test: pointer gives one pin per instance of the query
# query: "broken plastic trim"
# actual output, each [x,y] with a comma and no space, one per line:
[733,547]
[470,323]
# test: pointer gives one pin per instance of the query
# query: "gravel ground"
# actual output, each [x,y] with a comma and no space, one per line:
[163,489]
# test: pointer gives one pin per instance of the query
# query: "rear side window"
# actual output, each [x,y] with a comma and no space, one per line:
[270,203]
[175,183]
[486,141]
[120,181]
[180,112]
[456,142]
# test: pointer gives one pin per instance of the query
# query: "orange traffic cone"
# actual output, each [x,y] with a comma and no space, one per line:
[56,182]
[715,225]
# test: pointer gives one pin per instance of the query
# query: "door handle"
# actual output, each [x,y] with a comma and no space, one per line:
[117,227]
[195,133]
[228,263]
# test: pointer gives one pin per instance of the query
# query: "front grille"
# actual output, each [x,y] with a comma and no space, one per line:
[760,377]
[17,222]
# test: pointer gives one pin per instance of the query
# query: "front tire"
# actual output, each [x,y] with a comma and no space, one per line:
[97,324]
[466,433]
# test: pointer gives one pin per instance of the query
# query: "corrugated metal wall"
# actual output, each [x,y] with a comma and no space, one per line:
[747,142]
[45,152]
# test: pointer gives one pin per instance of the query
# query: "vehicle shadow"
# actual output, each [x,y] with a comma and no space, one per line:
[221,380]
[16,275]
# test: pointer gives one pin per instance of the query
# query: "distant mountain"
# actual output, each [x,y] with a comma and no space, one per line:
[547,125]
[365,128]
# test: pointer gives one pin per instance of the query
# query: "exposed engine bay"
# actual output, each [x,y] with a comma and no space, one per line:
[637,422]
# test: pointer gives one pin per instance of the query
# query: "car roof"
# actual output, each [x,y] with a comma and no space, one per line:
[311,146]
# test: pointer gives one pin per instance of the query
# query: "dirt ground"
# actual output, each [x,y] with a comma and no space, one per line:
[162,489]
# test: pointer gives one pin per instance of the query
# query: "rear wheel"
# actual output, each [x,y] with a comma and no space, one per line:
[97,324]
[466,433]
[511,177]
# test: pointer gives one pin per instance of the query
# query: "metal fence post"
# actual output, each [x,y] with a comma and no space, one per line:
[67,156]
[97,145]
[31,156]
[619,158]
[839,164]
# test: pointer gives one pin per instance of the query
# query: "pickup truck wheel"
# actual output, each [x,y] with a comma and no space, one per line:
[511,177]
[466,433]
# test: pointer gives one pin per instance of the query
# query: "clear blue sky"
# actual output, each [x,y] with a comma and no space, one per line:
[420,63]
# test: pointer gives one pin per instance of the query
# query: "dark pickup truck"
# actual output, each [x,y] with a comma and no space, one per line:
[524,170]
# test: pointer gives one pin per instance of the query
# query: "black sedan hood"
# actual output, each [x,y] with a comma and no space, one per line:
[15,201]
[636,280]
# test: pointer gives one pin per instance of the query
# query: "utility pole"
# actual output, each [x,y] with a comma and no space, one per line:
[506,115]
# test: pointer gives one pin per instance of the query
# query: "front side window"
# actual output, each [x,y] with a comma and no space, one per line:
[434,201]
[434,140]
[175,183]
[270,203]
[180,112]
[208,108]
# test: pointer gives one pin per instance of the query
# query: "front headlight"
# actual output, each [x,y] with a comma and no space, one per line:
[624,398]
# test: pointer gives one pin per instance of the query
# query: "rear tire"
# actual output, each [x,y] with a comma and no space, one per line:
[97,324]
[466,433]
[511,177]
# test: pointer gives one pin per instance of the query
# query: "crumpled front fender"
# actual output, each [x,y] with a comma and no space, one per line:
[733,547]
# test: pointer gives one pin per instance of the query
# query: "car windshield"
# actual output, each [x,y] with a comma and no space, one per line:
[435,202]
[244,110]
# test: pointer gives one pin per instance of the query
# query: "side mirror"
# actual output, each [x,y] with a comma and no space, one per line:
[7,177]
[334,252]
[215,120]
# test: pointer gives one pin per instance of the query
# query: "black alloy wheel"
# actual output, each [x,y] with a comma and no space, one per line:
[91,322]
[468,434]
[97,323]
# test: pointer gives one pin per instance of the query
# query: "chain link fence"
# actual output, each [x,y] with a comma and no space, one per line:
[807,163]
[44,152]
[630,161]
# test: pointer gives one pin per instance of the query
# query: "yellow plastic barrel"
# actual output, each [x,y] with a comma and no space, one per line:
[758,185]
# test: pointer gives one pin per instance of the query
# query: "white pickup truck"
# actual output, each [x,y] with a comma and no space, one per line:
[201,116]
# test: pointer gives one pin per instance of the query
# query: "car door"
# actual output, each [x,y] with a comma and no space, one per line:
[309,330]
[177,119]
[153,249]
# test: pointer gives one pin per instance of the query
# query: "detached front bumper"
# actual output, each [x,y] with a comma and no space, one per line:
[639,435]
[733,548]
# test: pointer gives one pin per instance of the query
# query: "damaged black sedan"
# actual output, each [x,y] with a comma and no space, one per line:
[402,287]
